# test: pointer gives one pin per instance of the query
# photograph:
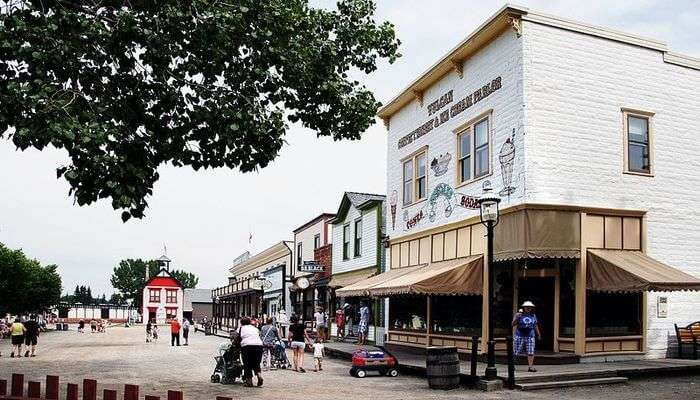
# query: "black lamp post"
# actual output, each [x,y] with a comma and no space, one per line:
[488,212]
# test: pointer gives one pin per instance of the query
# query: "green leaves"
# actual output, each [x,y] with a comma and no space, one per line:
[124,89]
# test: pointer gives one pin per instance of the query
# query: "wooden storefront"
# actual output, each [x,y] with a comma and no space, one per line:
[572,261]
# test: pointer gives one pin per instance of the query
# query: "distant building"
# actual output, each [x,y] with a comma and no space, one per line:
[163,298]
[197,304]
[75,312]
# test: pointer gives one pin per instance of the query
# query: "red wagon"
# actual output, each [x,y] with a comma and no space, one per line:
[381,361]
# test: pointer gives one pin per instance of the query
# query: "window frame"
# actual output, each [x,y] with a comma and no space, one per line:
[300,249]
[169,293]
[357,241]
[317,241]
[413,159]
[649,116]
[468,128]
[154,298]
[346,242]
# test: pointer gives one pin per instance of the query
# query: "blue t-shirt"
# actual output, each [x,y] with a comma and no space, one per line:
[526,325]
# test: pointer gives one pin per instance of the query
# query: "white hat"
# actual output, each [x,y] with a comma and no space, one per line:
[528,304]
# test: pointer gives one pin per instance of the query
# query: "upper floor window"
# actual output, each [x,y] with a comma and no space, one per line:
[474,152]
[415,178]
[171,296]
[154,295]
[299,261]
[638,133]
[358,237]
[317,241]
[346,241]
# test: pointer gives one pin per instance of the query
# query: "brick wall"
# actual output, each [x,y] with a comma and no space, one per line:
[575,87]
[324,256]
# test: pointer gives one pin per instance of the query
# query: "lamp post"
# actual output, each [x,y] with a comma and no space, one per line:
[488,213]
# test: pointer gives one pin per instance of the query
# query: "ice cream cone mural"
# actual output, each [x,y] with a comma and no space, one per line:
[392,202]
[507,158]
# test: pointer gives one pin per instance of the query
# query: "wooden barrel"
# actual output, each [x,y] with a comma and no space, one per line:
[442,368]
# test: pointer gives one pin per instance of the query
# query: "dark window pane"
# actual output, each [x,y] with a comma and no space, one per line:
[638,157]
[613,314]
[408,313]
[421,188]
[466,169]
[457,315]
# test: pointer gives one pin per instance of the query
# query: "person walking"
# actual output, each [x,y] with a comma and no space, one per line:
[363,327]
[321,321]
[149,330]
[318,355]
[269,335]
[282,322]
[17,331]
[525,327]
[186,331]
[175,332]
[93,326]
[31,336]
[251,352]
[340,324]
[81,326]
[298,338]
[155,333]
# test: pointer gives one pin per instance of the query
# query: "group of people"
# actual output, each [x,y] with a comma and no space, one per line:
[22,333]
[96,326]
[257,345]
[176,328]
[345,317]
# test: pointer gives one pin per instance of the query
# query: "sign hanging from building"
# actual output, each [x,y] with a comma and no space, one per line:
[311,266]
[662,307]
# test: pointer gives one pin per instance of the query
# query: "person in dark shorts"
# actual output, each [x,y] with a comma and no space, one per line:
[298,338]
[31,336]
[17,331]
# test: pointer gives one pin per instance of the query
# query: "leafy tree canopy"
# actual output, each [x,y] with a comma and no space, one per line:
[126,86]
[129,278]
[26,286]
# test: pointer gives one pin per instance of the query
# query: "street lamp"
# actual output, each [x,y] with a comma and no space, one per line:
[488,213]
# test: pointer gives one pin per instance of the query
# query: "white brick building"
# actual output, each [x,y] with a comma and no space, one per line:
[587,135]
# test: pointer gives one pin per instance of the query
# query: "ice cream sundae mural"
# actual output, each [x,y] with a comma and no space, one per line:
[443,199]
[439,164]
[507,158]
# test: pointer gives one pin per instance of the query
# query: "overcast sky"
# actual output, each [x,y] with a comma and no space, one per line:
[205,217]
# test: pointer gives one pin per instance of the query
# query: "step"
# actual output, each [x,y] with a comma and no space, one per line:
[526,377]
[572,383]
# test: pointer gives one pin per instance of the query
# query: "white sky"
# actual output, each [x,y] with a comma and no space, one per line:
[204,217]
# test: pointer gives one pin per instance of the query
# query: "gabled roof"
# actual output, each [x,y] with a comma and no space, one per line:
[163,274]
[196,296]
[361,201]
[313,221]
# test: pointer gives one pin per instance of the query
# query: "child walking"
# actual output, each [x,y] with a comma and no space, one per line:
[318,354]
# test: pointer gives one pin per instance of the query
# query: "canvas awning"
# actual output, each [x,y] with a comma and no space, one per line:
[634,271]
[462,276]
[350,278]
[535,233]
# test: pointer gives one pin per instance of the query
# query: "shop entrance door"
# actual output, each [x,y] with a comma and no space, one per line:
[540,290]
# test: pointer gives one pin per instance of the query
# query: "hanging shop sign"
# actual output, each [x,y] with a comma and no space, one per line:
[311,266]
[454,110]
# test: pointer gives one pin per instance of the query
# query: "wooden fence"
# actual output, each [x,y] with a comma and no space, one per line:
[89,392]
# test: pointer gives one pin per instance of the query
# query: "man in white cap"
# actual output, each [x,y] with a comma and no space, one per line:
[525,328]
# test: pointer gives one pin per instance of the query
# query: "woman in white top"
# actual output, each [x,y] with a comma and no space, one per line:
[251,351]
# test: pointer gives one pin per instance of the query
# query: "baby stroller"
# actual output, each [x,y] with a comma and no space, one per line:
[228,364]
[279,357]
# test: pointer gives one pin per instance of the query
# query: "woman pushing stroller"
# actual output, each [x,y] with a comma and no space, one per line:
[270,337]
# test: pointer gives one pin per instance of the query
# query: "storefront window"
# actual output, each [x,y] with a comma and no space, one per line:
[503,299]
[456,315]
[567,298]
[408,313]
[613,314]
